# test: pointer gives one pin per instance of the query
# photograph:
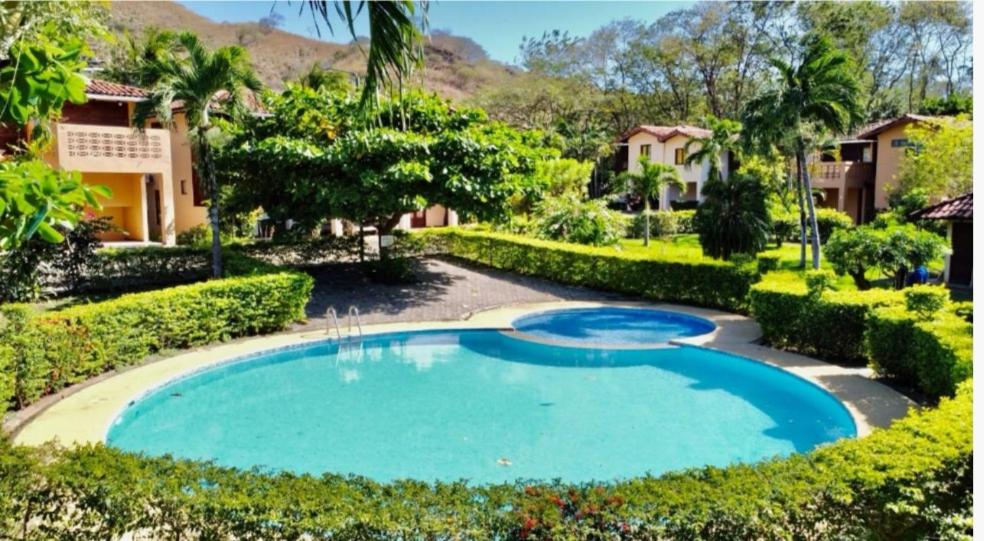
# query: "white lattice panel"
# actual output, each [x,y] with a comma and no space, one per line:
[105,148]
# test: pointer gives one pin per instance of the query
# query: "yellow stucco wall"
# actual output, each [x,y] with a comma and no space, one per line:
[887,165]
[186,214]
[126,207]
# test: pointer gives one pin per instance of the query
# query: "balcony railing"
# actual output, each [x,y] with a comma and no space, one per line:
[85,147]
[835,174]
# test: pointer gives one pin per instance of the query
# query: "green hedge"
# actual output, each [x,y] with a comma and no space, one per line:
[830,326]
[911,481]
[933,354]
[702,282]
[48,351]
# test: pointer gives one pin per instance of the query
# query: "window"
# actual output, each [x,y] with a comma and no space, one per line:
[184,187]
[678,157]
[896,143]
[157,206]
[646,151]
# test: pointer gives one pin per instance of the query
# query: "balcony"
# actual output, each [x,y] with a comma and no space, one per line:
[842,174]
[113,149]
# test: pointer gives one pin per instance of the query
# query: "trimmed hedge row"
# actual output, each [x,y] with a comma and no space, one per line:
[933,354]
[829,326]
[913,336]
[911,481]
[48,351]
[704,282]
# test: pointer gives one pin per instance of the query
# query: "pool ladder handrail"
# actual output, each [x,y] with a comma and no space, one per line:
[353,313]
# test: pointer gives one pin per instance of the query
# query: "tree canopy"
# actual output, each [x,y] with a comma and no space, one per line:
[411,152]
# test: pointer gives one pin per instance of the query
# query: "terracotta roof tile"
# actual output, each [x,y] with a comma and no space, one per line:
[662,133]
[105,88]
[877,127]
[958,208]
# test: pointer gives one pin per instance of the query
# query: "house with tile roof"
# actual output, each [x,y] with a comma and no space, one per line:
[156,194]
[665,144]
[858,181]
[958,213]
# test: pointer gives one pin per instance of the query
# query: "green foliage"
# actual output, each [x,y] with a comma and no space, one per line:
[732,218]
[940,159]
[52,350]
[910,481]
[25,269]
[569,218]
[829,326]
[894,250]
[926,300]
[818,282]
[34,198]
[662,223]
[724,141]
[647,274]
[931,354]
[413,152]
[648,183]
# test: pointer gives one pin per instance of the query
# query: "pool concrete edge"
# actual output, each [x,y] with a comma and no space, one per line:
[84,416]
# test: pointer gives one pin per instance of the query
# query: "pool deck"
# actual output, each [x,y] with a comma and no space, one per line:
[83,414]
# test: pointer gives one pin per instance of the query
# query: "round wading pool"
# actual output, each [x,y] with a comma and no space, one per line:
[612,325]
[484,406]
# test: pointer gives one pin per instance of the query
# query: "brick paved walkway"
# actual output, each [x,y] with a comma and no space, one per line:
[447,290]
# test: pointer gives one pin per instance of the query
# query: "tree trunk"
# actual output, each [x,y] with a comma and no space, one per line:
[386,228]
[860,281]
[645,215]
[802,213]
[814,231]
[206,171]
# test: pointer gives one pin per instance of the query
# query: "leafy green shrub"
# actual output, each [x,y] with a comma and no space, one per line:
[910,481]
[926,300]
[964,309]
[733,217]
[819,281]
[830,326]
[786,225]
[932,355]
[703,282]
[568,218]
[894,250]
[52,350]
[768,262]
[662,223]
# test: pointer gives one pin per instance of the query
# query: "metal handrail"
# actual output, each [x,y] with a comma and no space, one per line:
[334,319]
[353,311]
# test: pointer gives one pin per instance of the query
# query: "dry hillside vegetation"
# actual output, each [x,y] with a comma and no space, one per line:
[455,67]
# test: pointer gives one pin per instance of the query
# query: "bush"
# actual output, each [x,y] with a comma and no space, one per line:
[568,218]
[932,355]
[733,217]
[786,225]
[53,350]
[703,282]
[662,223]
[911,481]
[926,301]
[829,326]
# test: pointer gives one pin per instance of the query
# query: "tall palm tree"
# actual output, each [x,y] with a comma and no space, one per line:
[204,81]
[395,36]
[724,139]
[818,94]
[648,183]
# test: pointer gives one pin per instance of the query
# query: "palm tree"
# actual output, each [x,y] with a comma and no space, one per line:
[395,35]
[733,218]
[818,94]
[649,182]
[724,139]
[203,81]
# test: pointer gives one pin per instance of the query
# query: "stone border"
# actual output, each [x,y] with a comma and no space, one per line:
[84,415]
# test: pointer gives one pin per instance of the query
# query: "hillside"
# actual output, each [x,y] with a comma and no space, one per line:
[455,67]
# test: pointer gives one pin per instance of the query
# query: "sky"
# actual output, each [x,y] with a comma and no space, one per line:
[498,27]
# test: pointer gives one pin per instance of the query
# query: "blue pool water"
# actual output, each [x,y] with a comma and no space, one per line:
[483,406]
[613,325]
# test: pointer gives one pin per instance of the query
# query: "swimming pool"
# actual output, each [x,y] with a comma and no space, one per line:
[612,325]
[481,405]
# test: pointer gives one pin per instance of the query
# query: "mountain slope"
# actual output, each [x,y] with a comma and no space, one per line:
[455,67]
